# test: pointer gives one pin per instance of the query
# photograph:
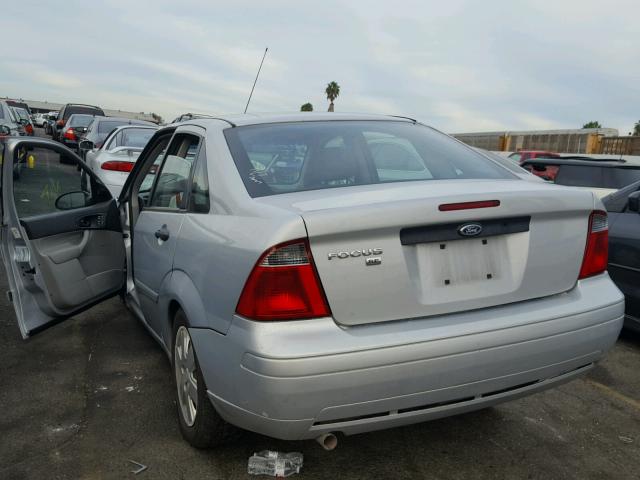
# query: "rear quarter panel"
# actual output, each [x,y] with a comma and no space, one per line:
[218,250]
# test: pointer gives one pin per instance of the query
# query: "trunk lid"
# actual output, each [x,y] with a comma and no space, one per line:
[387,252]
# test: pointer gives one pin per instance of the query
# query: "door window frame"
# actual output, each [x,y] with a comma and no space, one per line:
[187,199]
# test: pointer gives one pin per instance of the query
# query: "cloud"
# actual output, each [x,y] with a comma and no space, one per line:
[459,65]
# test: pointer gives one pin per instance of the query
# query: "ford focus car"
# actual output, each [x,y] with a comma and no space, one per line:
[318,273]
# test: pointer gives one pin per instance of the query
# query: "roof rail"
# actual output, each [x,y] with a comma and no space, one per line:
[406,118]
[204,115]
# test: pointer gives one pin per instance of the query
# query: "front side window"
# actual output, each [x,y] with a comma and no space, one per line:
[48,182]
[292,157]
[170,189]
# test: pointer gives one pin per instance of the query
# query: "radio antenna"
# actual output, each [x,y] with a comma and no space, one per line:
[256,80]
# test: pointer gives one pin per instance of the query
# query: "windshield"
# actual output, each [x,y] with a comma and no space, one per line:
[292,157]
[80,120]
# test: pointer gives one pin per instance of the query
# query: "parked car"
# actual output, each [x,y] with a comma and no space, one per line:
[603,176]
[19,104]
[624,248]
[24,119]
[50,120]
[522,155]
[510,165]
[70,109]
[9,118]
[116,157]
[39,119]
[100,128]
[74,129]
[339,298]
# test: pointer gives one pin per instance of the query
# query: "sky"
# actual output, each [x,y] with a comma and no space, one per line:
[458,65]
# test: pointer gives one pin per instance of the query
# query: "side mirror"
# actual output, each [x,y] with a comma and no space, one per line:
[71,200]
[86,145]
[5,130]
[634,202]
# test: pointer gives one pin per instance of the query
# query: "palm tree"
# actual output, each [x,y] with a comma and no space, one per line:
[332,91]
[307,107]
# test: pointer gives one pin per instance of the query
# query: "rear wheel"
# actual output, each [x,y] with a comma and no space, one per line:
[200,424]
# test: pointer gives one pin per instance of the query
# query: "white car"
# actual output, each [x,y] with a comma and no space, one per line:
[114,160]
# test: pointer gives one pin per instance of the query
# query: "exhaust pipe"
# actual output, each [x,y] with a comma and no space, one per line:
[328,441]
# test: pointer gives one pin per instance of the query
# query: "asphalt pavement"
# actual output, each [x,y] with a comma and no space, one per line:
[81,399]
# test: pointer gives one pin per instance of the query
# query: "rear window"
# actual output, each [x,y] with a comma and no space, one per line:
[293,157]
[109,125]
[131,137]
[597,177]
[80,120]
[88,110]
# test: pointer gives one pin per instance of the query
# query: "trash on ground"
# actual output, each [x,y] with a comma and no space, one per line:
[276,464]
[141,468]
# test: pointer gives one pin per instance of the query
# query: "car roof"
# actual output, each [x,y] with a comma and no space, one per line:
[81,105]
[585,161]
[263,118]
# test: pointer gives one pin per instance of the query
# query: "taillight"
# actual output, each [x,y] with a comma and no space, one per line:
[117,166]
[284,285]
[29,129]
[597,249]
[70,134]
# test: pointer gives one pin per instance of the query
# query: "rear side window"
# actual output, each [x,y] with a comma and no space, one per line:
[199,199]
[292,157]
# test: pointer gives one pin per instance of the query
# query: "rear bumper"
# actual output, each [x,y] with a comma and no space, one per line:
[295,380]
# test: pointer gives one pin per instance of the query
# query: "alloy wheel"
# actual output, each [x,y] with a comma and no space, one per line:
[186,382]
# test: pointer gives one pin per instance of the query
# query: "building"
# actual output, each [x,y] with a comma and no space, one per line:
[38,106]
[583,140]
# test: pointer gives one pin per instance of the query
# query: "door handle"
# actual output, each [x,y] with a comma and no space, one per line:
[163,233]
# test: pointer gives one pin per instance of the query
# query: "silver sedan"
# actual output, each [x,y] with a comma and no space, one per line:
[318,273]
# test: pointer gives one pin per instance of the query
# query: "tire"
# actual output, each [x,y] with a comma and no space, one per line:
[204,428]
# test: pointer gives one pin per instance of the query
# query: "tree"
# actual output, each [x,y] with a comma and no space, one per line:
[307,107]
[592,124]
[636,128]
[332,91]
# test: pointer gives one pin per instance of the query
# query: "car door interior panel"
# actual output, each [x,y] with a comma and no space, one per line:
[101,216]
[78,266]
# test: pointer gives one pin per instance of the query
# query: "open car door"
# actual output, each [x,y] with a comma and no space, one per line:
[61,238]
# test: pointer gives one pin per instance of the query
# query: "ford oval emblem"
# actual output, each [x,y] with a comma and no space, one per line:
[470,229]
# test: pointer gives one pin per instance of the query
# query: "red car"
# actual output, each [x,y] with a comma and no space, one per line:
[522,155]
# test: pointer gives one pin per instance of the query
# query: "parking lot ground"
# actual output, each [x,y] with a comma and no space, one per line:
[79,400]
